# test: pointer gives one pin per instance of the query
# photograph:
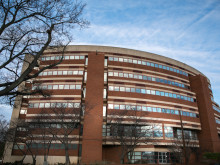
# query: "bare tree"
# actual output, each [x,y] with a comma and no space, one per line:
[66,118]
[22,135]
[183,149]
[4,124]
[29,27]
[129,130]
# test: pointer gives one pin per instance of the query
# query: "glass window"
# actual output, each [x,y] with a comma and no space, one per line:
[144,63]
[138,90]
[130,75]
[78,86]
[166,94]
[105,77]
[47,105]
[77,57]
[158,93]
[125,60]
[149,109]
[153,92]
[144,108]
[116,88]
[160,66]
[158,109]
[153,79]
[122,106]
[130,60]
[170,95]
[126,75]
[72,87]
[154,109]
[61,86]
[122,89]
[75,72]
[54,72]
[71,57]
[41,105]
[135,76]
[174,95]
[162,93]
[55,86]
[111,88]
[81,57]
[116,106]
[110,58]
[143,91]
[148,91]
[120,59]
[110,73]
[145,77]
[132,89]
[60,72]
[115,58]
[135,61]
[50,73]
[110,106]
[66,57]
[128,107]
[127,89]
[121,75]
[139,108]
[80,72]
[148,64]
[116,74]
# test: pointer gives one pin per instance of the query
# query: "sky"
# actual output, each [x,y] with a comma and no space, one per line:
[186,30]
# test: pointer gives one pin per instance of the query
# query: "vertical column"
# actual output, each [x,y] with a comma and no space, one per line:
[93,118]
[208,137]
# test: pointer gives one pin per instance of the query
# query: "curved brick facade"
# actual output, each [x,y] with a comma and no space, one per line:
[114,81]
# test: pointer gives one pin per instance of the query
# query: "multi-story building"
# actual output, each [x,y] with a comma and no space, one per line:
[168,96]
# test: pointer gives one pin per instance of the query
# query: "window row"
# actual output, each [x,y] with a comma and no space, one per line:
[150,109]
[61,72]
[146,63]
[53,125]
[149,78]
[54,105]
[151,92]
[216,108]
[132,131]
[44,146]
[121,130]
[73,57]
[171,132]
[153,158]
[64,86]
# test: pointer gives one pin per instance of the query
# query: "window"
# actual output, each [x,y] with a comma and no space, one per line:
[104,110]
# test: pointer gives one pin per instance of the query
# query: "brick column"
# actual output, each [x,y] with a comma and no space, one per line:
[92,130]
[208,136]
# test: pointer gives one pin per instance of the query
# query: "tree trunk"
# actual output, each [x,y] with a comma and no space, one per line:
[67,155]
[34,161]
[45,160]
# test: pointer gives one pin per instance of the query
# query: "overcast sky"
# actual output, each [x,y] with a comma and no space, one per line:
[186,30]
